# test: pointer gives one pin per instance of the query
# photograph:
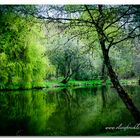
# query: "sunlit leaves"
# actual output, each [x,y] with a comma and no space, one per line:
[22,53]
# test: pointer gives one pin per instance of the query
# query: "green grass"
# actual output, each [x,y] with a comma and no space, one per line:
[71,83]
[129,82]
[89,83]
[50,84]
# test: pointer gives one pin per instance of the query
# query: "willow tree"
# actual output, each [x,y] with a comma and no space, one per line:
[110,25]
[22,59]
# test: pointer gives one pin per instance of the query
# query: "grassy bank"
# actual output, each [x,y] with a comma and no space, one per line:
[74,83]
[71,83]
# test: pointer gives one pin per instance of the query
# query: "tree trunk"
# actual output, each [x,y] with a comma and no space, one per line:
[103,76]
[124,96]
[64,81]
[67,77]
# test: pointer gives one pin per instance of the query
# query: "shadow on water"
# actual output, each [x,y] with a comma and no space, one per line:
[83,111]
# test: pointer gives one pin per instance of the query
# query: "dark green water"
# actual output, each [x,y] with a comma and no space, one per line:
[65,112]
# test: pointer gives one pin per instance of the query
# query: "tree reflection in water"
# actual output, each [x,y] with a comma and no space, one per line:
[81,111]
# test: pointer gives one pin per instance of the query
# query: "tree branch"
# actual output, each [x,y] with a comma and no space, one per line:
[63,19]
[128,36]
[93,21]
[117,19]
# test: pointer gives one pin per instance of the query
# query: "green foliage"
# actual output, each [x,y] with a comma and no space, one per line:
[68,56]
[23,63]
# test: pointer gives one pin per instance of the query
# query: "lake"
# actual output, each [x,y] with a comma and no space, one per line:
[88,111]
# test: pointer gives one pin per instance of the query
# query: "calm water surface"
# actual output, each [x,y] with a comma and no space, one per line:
[66,112]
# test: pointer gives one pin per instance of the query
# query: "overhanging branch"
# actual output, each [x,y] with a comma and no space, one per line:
[129,36]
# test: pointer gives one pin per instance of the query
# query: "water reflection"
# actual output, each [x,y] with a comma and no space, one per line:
[85,111]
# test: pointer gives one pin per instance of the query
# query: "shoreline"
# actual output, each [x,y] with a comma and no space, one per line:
[73,84]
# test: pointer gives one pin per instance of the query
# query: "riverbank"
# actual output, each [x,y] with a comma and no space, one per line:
[71,83]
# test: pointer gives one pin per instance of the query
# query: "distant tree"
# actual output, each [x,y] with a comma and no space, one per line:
[68,59]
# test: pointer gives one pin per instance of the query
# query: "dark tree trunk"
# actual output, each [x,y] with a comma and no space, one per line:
[67,77]
[103,76]
[124,96]
[103,87]
[64,81]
